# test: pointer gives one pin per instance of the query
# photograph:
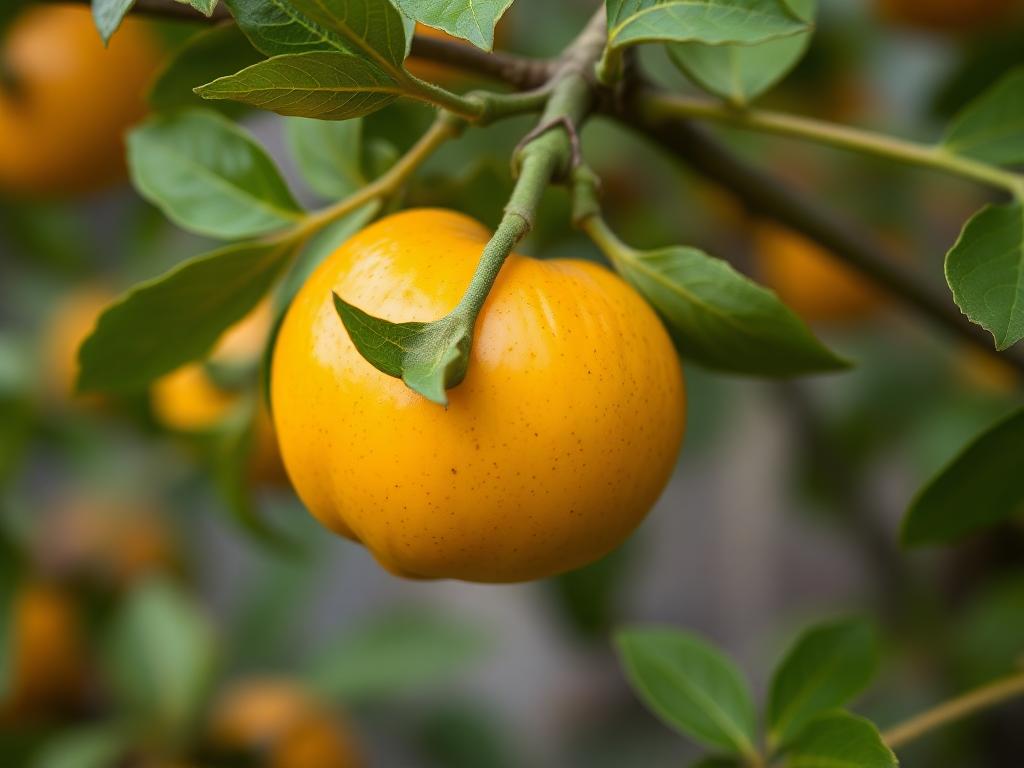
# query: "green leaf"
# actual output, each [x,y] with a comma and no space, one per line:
[991,128]
[108,15]
[373,29]
[740,73]
[705,21]
[206,56]
[472,20]
[985,271]
[329,154]
[840,740]
[178,317]
[209,176]
[92,746]
[827,666]
[978,489]
[395,654]
[160,658]
[723,320]
[691,686]
[429,357]
[327,85]
[205,7]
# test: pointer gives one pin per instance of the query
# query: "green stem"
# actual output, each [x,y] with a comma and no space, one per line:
[956,709]
[660,105]
[471,106]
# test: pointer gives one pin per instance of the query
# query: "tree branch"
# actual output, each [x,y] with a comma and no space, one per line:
[764,194]
[518,71]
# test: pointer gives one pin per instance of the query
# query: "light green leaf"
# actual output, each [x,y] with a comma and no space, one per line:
[93,746]
[327,85]
[205,7]
[840,740]
[430,358]
[108,15]
[161,658]
[372,29]
[740,73]
[827,666]
[329,154]
[178,317]
[991,128]
[209,176]
[978,489]
[691,686]
[205,56]
[720,318]
[472,20]
[716,22]
[395,654]
[985,271]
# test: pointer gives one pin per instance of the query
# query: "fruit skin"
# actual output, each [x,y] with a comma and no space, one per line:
[945,15]
[47,653]
[61,130]
[281,721]
[73,319]
[188,400]
[550,452]
[810,280]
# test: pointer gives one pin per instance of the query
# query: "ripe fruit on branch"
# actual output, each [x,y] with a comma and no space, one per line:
[810,280]
[551,451]
[66,101]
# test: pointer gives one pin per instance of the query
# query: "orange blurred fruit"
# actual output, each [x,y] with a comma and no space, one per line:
[810,280]
[282,723]
[71,321]
[48,654]
[549,453]
[946,15]
[981,371]
[190,400]
[68,100]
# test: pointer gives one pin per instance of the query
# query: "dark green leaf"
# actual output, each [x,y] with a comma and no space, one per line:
[206,56]
[209,176]
[161,658]
[985,270]
[717,761]
[372,29]
[327,85]
[981,487]
[827,666]
[706,21]
[108,15]
[94,746]
[178,317]
[429,357]
[840,740]
[723,320]
[991,128]
[473,20]
[395,654]
[740,73]
[329,154]
[691,686]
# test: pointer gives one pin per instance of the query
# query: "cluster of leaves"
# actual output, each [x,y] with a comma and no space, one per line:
[698,691]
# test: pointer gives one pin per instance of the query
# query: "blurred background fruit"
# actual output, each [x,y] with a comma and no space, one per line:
[66,101]
[952,16]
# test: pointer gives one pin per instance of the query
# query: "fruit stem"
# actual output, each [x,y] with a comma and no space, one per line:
[955,709]
[658,106]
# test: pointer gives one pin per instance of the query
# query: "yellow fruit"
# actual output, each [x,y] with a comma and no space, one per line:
[118,542]
[548,455]
[946,15]
[70,100]
[284,724]
[188,399]
[47,653]
[809,279]
[71,322]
